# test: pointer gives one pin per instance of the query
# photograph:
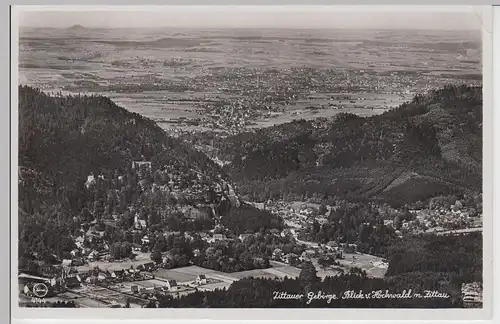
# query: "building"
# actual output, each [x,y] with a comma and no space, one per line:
[139,223]
[322,220]
[217,237]
[145,240]
[349,248]
[54,281]
[332,244]
[146,289]
[160,289]
[171,284]
[194,213]
[101,276]
[141,164]
[201,280]
[79,242]
[286,232]
[277,254]
[66,263]
[242,237]
[118,274]
[136,247]
[167,257]
[290,258]
[307,255]
[90,181]
[93,256]
[146,266]
[388,222]
[472,295]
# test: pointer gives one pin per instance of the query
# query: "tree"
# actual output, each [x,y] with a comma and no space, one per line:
[151,304]
[308,274]
[125,249]
[205,303]
[115,250]
[322,209]
[86,215]
[100,226]
[397,222]
[326,262]
[156,256]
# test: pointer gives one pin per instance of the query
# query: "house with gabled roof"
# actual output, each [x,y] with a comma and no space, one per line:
[277,254]
[201,279]
[118,274]
[171,284]
[290,258]
[74,253]
[146,266]
[102,276]
[93,255]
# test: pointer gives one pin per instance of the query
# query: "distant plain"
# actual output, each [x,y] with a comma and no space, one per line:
[187,63]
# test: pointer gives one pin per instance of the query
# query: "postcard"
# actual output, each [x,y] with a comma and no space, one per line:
[196,161]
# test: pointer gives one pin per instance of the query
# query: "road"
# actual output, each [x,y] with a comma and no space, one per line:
[309,244]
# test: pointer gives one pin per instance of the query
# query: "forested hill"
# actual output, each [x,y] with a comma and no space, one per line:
[433,142]
[64,139]
[74,135]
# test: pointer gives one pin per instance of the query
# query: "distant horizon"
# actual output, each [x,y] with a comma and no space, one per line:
[255,17]
[257,28]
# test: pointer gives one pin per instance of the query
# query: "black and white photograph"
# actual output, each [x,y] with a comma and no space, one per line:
[249,157]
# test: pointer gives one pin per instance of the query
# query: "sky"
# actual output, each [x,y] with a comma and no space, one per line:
[299,17]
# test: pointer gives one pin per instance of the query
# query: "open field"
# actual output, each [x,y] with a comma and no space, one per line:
[257,273]
[185,274]
[282,269]
[105,294]
[150,283]
[328,272]
[109,296]
[365,262]
[116,265]
[188,274]
[213,286]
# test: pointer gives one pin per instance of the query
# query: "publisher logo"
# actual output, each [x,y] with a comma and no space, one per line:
[40,290]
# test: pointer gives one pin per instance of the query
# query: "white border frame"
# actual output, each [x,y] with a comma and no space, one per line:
[271,314]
